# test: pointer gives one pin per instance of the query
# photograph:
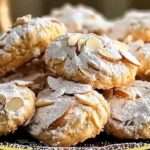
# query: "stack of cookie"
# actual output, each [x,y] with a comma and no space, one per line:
[69,87]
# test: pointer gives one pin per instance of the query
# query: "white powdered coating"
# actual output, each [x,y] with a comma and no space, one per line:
[45,116]
[29,26]
[17,89]
[48,95]
[60,103]
[137,112]
[18,107]
[26,40]
[137,13]
[130,22]
[68,87]
[142,51]
[81,18]
[60,50]
[59,87]
[94,57]
[131,114]
[76,111]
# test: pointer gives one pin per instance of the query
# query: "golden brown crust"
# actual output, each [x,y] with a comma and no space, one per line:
[82,19]
[97,60]
[33,71]
[27,39]
[130,112]
[132,27]
[75,113]
[17,106]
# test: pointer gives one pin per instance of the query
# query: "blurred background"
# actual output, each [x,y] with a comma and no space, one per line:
[110,8]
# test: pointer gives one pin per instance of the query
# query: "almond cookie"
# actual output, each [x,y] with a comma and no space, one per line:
[130,111]
[68,113]
[131,28]
[17,105]
[82,19]
[27,39]
[96,60]
[33,71]
[142,51]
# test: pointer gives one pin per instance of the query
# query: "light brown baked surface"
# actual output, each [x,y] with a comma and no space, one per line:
[130,111]
[27,39]
[96,60]
[17,106]
[133,26]
[68,113]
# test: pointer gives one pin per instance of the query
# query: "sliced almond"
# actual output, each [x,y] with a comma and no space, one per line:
[120,45]
[88,99]
[88,75]
[42,103]
[22,82]
[49,94]
[14,104]
[45,116]
[72,41]
[68,87]
[47,97]
[73,88]
[93,43]
[81,42]
[110,54]
[131,58]
[54,83]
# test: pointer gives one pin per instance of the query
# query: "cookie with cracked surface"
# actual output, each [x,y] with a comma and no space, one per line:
[17,106]
[27,39]
[130,112]
[68,113]
[82,19]
[142,51]
[131,28]
[96,60]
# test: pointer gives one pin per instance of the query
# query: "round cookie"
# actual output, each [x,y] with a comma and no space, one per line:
[82,19]
[96,60]
[17,106]
[27,39]
[142,51]
[131,28]
[130,111]
[68,113]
